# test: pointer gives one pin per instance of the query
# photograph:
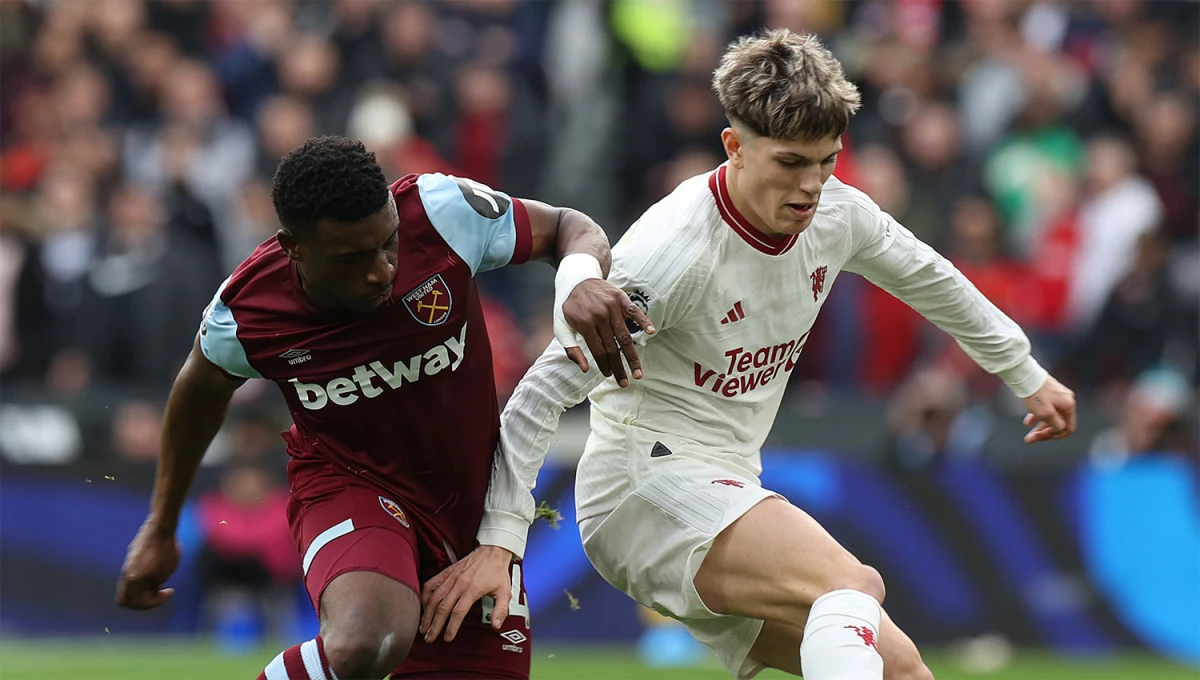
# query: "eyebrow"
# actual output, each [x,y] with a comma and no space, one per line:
[367,251]
[793,154]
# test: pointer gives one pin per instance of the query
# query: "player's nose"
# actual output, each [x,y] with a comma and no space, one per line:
[810,184]
[381,271]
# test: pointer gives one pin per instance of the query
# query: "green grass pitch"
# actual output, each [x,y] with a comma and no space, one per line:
[118,659]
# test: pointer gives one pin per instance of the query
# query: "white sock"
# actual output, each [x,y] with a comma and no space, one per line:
[840,638]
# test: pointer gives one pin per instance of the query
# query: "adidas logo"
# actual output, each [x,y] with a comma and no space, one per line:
[735,314]
[659,450]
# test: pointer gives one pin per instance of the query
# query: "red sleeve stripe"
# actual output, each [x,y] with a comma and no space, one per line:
[524,233]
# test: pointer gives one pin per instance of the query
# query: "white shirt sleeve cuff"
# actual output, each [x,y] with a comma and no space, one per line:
[1025,378]
[505,530]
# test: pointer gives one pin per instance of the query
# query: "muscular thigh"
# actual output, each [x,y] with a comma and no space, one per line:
[778,646]
[772,557]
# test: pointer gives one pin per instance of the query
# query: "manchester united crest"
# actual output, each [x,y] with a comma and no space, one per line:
[430,302]
[392,508]
[818,281]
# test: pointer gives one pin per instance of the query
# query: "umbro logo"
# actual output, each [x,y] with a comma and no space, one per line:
[296,356]
[514,636]
[736,314]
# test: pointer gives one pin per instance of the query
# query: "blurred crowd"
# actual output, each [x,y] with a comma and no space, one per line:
[1050,149]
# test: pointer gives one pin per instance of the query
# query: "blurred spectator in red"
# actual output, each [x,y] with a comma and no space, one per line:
[890,328]
[484,95]
[509,360]
[247,557]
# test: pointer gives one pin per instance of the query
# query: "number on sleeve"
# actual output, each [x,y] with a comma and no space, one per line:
[485,201]
[515,606]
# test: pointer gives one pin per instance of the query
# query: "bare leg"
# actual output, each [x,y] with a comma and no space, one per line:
[368,623]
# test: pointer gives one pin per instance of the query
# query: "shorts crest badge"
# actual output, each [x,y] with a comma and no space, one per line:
[392,508]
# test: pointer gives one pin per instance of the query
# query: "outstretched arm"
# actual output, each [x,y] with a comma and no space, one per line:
[196,408]
[530,419]
[895,260]
[584,302]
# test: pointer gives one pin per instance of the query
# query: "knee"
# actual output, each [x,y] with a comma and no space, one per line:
[361,653]
[864,579]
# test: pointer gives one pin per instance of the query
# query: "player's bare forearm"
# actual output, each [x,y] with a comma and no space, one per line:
[195,411]
[559,232]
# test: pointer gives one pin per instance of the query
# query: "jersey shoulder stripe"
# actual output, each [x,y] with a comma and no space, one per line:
[486,228]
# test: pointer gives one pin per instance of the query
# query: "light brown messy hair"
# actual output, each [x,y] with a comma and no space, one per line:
[785,86]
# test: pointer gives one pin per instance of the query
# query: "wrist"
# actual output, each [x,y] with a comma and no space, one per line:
[161,526]
[573,270]
[496,552]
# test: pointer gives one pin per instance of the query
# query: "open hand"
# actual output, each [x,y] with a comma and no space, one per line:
[153,556]
[597,310]
[447,597]
[1051,412]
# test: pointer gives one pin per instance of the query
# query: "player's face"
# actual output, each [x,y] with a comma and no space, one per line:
[349,265]
[780,181]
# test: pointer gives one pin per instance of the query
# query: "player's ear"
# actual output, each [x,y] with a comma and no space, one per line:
[733,146]
[287,241]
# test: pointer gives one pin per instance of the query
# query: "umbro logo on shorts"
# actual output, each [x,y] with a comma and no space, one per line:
[659,450]
[514,636]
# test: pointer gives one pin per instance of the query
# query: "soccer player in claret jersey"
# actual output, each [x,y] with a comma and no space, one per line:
[733,267]
[364,310]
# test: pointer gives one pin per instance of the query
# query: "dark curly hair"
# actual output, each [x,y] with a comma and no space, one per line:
[327,178]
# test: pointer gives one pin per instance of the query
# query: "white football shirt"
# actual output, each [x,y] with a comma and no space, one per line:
[733,309]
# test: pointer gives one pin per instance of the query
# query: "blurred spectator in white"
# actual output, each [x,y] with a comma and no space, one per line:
[141,307]
[65,216]
[1152,419]
[382,121]
[219,158]
[1119,207]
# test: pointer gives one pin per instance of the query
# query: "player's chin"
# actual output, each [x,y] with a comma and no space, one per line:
[368,305]
[793,223]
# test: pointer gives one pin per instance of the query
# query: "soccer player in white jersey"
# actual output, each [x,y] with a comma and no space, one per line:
[733,267]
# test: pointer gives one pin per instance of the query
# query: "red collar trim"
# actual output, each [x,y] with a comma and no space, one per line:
[749,233]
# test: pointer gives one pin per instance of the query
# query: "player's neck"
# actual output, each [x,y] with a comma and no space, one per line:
[732,185]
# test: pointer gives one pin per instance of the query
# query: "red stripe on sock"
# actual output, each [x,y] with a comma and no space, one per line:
[294,663]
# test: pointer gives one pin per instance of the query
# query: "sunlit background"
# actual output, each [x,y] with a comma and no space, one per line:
[1048,148]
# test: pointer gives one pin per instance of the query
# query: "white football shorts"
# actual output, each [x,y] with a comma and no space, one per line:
[651,545]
